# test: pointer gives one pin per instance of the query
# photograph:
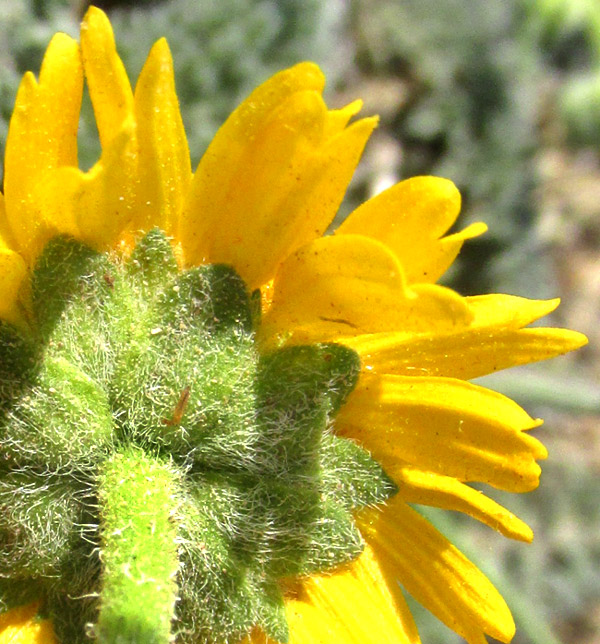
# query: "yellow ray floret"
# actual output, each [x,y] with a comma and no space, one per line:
[446,426]
[273,177]
[110,186]
[409,549]
[352,605]
[106,77]
[347,285]
[164,158]
[42,136]
[507,311]
[355,601]
[410,218]
[467,354]
[428,488]
[12,271]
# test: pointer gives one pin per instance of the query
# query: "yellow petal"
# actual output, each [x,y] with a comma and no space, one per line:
[446,426]
[471,353]
[50,197]
[12,272]
[42,136]
[224,159]
[435,573]
[107,80]
[338,119]
[443,253]
[348,285]
[20,626]
[273,177]
[497,310]
[104,198]
[98,203]
[410,218]
[352,605]
[428,488]
[165,169]
[6,235]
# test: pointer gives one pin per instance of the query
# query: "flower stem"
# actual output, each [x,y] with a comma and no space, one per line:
[138,504]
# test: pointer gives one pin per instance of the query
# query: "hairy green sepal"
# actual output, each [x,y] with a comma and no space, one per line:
[158,477]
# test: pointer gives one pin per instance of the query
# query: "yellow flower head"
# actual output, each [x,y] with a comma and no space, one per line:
[347,334]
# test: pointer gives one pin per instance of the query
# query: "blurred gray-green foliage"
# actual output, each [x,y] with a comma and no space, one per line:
[474,75]
[569,31]
[548,583]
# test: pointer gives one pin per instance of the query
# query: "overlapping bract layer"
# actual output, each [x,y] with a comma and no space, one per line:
[141,426]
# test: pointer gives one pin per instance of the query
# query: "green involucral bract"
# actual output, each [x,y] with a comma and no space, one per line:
[160,480]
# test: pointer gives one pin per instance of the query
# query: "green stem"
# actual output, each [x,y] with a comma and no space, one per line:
[138,504]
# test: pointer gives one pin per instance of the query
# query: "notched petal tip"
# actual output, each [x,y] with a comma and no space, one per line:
[446,426]
[410,217]
[424,487]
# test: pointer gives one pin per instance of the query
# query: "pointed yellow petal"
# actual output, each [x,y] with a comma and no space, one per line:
[348,285]
[273,177]
[410,218]
[435,573]
[42,136]
[507,311]
[20,626]
[428,488]
[165,169]
[12,272]
[446,426]
[472,353]
[107,80]
[443,253]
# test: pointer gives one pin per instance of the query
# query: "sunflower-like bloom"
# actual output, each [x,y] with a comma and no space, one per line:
[215,418]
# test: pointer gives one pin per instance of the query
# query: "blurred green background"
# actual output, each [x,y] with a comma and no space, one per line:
[501,96]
